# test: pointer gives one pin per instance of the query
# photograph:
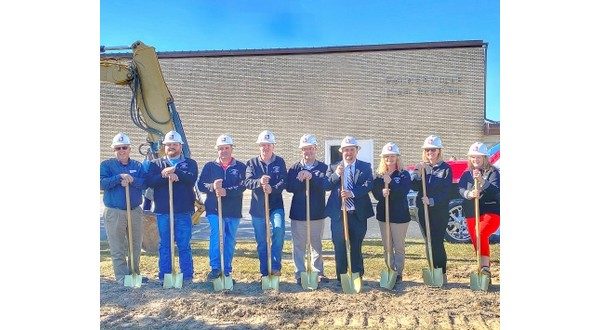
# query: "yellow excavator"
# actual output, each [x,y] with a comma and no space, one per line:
[152,106]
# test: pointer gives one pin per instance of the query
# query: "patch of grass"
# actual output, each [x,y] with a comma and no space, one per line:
[461,260]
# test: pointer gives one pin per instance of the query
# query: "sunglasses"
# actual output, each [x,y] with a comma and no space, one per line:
[121,148]
[430,150]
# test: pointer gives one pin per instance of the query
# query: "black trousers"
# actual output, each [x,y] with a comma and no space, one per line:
[357,229]
[438,221]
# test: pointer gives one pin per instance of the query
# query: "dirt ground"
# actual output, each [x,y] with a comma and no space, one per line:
[411,305]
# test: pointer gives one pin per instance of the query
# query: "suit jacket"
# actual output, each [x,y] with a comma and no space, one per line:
[363,183]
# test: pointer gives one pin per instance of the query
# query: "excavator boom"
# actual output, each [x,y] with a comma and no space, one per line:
[152,105]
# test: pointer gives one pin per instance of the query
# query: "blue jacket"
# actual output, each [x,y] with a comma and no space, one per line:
[363,183]
[255,169]
[233,182]
[318,184]
[438,182]
[490,192]
[183,190]
[399,188]
[110,182]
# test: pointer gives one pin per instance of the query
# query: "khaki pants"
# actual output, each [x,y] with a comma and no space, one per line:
[299,246]
[115,223]
[398,235]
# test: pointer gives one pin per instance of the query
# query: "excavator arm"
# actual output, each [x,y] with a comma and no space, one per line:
[152,106]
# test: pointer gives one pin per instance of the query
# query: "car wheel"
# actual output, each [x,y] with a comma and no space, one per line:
[456,231]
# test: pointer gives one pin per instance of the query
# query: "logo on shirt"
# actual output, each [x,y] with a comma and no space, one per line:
[132,171]
[275,169]
[397,179]
[234,171]
[183,166]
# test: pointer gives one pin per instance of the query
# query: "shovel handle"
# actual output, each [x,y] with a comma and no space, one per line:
[268,226]
[476,202]
[387,228]
[346,234]
[426,214]
[172,227]
[220,210]
[308,249]
[129,229]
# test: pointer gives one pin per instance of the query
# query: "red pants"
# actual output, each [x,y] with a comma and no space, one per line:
[488,224]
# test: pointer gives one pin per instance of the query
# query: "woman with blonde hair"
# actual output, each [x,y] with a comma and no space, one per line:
[390,172]
[438,183]
[488,193]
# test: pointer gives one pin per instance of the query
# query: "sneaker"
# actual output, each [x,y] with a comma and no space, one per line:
[144,280]
[299,281]
[323,279]
[213,275]
[276,273]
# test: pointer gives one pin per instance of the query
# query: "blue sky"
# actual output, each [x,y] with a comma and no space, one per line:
[216,25]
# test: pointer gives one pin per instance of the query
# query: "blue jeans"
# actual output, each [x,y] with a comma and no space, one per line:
[183,236]
[277,237]
[230,227]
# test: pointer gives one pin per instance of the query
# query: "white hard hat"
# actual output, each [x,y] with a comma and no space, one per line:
[224,139]
[119,140]
[432,142]
[478,149]
[266,137]
[308,140]
[390,149]
[349,141]
[172,137]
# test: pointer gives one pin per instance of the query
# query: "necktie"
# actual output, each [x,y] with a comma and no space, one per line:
[349,186]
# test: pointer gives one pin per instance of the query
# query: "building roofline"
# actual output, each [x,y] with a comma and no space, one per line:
[311,50]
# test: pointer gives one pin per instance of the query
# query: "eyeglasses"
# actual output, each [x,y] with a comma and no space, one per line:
[122,148]
[432,150]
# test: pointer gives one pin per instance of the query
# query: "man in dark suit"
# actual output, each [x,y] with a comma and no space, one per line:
[358,181]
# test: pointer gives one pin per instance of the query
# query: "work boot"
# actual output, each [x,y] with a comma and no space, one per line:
[213,275]
[485,270]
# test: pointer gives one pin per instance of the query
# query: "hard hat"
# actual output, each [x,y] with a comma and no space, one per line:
[390,149]
[266,137]
[349,141]
[478,149]
[172,137]
[119,140]
[224,139]
[432,142]
[308,140]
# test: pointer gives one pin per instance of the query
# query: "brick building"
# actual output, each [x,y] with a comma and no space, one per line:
[399,92]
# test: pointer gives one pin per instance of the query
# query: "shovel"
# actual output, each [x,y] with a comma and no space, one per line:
[132,280]
[351,282]
[173,279]
[223,282]
[308,279]
[479,281]
[388,275]
[270,281]
[431,276]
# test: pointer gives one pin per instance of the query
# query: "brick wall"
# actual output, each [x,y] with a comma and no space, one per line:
[389,95]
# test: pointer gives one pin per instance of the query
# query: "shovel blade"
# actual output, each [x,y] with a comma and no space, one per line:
[223,283]
[133,280]
[479,282]
[173,281]
[270,282]
[388,279]
[309,280]
[351,283]
[433,277]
